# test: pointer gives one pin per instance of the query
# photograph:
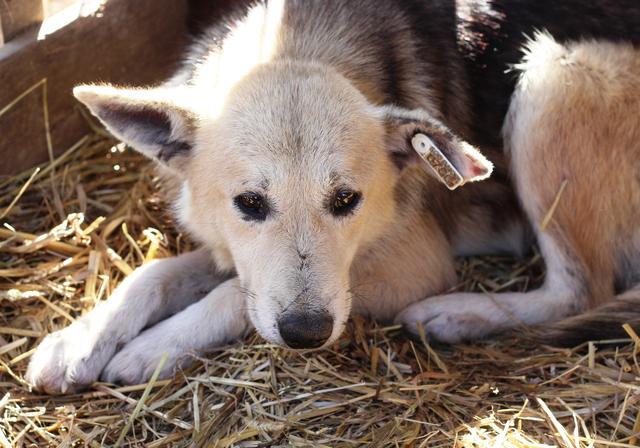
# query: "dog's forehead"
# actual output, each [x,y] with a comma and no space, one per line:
[293,113]
[284,123]
[308,174]
[311,159]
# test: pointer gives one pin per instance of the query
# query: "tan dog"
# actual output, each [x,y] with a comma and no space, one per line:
[303,184]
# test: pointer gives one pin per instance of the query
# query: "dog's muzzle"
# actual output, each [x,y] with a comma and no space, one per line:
[305,330]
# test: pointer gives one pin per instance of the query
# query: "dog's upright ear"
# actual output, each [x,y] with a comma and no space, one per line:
[414,136]
[149,121]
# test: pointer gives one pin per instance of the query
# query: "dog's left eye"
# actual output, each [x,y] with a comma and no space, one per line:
[252,205]
[344,202]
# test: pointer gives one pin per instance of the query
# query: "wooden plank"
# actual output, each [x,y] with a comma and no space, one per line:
[128,42]
[19,15]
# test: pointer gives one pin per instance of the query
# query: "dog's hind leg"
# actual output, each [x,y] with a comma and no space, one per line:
[218,318]
[573,136]
[74,356]
[458,317]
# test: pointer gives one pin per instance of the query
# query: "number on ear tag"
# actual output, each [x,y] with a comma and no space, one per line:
[430,153]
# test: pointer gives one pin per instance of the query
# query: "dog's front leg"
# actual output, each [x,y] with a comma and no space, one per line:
[218,318]
[74,356]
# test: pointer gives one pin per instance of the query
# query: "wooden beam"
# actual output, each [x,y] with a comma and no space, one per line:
[1,33]
[18,15]
[129,42]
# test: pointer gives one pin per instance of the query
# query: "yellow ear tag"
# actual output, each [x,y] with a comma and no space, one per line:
[430,153]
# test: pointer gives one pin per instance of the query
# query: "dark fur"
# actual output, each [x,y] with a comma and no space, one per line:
[491,37]
[600,324]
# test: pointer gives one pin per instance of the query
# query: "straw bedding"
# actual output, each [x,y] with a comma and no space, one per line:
[72,230]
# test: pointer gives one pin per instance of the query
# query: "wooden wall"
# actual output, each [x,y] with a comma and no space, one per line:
[18,15]
[126,41]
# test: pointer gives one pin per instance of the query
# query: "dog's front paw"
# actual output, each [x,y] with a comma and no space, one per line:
[138,359]
[69,359]
[448,319]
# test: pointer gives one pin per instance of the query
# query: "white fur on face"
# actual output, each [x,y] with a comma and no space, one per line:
[294,142]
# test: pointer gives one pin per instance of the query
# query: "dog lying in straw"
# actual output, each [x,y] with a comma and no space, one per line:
[325,155]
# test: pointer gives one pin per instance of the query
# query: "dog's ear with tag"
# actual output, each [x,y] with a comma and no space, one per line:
[149,121]
[414,136]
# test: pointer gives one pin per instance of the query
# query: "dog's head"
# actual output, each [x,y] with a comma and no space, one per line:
[286,177]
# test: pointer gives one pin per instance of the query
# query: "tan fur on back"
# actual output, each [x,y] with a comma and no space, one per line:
[581,105]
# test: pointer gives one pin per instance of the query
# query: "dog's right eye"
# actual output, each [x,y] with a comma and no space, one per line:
[252,205]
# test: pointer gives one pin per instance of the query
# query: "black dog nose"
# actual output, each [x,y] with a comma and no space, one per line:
[305,330]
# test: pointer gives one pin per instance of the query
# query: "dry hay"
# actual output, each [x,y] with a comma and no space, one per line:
[74,229]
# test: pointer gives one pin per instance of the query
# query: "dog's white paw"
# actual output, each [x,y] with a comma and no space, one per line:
[69,359]
[451,319]
[138,359]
